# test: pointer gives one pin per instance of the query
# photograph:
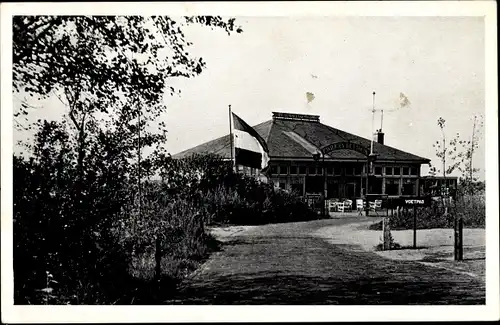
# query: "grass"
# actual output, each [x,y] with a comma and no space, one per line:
[430,218]
[380,247]
[116,261]
[173,270]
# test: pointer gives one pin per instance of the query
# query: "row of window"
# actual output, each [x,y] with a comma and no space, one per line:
[409,187]
[349,171]
[392,186]
[397,171]
[304,170]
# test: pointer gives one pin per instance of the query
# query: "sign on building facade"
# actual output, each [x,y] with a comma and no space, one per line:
[346,145]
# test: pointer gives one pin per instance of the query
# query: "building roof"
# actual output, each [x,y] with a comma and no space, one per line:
[294,136]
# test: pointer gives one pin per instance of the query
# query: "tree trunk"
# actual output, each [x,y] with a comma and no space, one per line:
[158,254]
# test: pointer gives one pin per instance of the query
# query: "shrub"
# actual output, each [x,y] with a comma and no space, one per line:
[249,202]
[174,227]
[91,229]
[471,209]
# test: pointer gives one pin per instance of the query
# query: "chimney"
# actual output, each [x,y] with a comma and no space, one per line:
[380,136]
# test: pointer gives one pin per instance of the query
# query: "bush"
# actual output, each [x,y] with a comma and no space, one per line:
[471,209]
[77,230]
[81,238]
[252,203]
[225,197]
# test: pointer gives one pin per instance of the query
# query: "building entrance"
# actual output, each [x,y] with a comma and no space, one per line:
[314,184]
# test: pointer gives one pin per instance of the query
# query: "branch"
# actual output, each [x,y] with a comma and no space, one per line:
[72,100]
[59,97]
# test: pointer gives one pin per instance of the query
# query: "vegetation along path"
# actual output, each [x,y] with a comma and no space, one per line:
[285,264]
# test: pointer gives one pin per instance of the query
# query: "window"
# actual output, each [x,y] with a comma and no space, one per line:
[392,186]
[452,183]
[406,171]
[397,171]
[349,170]
[388,170]
[338,170]
[378,170]
[274,169]
[294,170]
[283,169]
[296,188]
[319,170]
[329,170]
[302,170]
[312,171]
[413,171]
[375,186]
[357,170]
[409,187]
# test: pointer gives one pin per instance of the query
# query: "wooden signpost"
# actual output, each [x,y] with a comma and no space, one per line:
[415,202]
[458,232]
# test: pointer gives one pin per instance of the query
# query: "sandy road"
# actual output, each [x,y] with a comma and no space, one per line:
[287,264]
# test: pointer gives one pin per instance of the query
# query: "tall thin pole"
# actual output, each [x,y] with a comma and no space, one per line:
[367,171]
[472,154]
[325,189]
[369,163]
[381,119]
[233,160]
[414,226]
[373,121]
[139,154]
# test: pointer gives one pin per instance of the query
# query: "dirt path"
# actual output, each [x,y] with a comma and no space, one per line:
[435,246]
[286,264]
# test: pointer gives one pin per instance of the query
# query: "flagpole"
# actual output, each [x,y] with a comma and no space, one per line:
[381,118]
[233,160]
[373,120]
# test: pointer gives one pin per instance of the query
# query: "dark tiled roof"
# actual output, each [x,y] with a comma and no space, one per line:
[299,139]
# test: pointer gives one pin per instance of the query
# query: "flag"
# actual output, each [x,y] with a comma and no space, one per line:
[249,147]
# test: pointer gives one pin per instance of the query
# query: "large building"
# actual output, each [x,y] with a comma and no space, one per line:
[312,158]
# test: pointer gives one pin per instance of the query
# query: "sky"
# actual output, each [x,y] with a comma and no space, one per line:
[437,62]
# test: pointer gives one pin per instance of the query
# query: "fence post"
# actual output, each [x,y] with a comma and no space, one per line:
[460,239]
[458,232]
[386,233]
[414,227]
[455,238]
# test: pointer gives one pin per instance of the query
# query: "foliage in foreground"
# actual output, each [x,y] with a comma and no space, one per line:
[122,247]
[74,196]
[471,208]
[85,231]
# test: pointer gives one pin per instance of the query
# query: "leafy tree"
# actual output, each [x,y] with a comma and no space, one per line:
[465,156]
[446,151]
[112,74]
[97,64]
[459,154]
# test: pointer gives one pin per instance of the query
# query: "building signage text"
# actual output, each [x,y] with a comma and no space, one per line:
[300,117]
[346,145]
[418,201]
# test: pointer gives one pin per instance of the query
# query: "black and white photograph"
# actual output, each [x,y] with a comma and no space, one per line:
[201,155]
